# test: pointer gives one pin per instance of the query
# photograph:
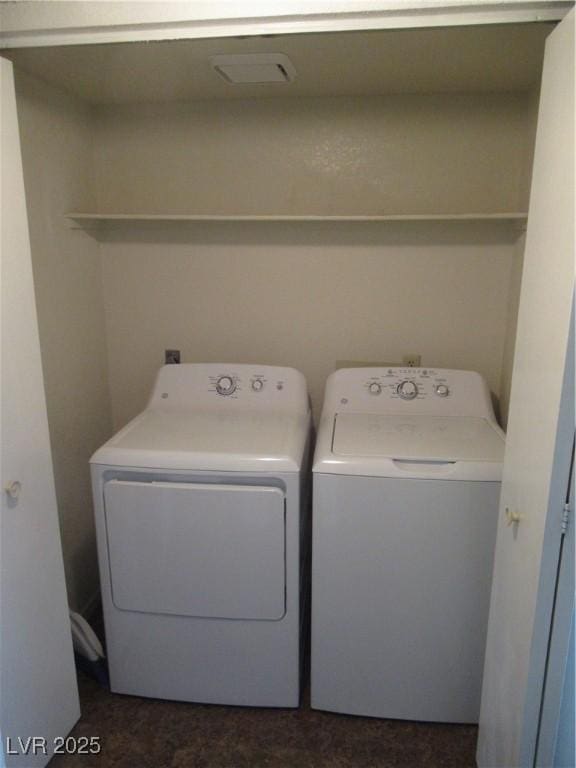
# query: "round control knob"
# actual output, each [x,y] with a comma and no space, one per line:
[442,390]
[225,385]
[374,388]
[407,390]
[257,385]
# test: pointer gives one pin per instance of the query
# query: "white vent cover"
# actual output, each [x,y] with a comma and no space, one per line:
[254,68]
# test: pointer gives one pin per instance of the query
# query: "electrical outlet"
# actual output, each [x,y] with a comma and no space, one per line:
[412,361]
[171,356]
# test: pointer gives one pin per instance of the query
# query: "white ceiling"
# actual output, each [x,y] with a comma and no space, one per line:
[491,58]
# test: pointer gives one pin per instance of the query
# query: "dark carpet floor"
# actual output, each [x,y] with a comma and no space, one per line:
[146,733]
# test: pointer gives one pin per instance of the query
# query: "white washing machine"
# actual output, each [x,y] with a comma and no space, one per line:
[407,475]
[202,524]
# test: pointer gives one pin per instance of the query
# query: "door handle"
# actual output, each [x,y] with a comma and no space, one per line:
[13,489]
[512,516]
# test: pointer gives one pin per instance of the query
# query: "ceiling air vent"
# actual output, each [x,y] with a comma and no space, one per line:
[253,68]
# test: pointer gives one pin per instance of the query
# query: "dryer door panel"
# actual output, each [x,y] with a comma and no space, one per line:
[212,551]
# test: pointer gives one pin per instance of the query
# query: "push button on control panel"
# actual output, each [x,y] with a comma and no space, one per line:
[257,385]
[374,388]
[442,390]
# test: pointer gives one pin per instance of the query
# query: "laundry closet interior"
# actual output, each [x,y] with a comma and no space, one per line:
[372,207]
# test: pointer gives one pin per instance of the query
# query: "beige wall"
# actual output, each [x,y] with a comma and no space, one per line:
[309,295]
[452,153]
[56,137]
[304,296]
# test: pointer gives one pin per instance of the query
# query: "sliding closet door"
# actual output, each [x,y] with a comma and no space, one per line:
[38,692]
[540,435]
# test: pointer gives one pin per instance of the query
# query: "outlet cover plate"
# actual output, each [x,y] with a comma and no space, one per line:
[171,356]
[412,360]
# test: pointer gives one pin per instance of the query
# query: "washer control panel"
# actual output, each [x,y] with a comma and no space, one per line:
[402,390]
[408,383]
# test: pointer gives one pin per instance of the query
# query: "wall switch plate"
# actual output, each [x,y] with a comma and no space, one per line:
[412,361]
[171,356]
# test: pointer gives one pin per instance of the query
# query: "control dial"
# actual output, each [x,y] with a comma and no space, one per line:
[374,388]
[407,390]
[257,385]
[225,385]
[442,390]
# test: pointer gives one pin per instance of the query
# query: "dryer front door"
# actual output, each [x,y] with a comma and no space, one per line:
[190,549]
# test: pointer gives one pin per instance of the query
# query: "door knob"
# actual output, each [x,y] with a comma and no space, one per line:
[13,489]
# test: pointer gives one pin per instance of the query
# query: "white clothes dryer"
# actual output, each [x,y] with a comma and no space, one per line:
[202,528]
[407,475]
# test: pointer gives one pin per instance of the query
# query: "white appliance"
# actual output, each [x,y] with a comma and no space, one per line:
[407,476]
[202,525]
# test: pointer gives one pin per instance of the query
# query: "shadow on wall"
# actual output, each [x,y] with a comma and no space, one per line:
[327,233]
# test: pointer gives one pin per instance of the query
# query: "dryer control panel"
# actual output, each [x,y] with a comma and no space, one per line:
[417,391]
[234,383]
[202,386]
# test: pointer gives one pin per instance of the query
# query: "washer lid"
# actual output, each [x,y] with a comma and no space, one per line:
[217,440]
[410,447]
[417,438]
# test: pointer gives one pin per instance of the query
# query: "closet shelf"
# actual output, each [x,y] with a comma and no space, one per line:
[94,221]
